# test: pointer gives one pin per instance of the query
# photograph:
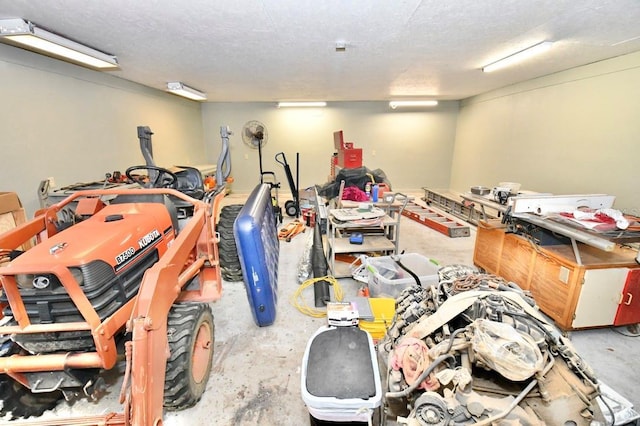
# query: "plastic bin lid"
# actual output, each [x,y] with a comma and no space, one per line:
[340,366]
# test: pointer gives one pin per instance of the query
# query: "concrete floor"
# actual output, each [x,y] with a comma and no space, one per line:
[255,378]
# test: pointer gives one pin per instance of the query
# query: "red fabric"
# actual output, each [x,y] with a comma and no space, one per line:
[600,221]
[598,217]
[353,193]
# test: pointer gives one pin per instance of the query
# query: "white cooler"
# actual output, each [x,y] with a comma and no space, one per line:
[340,380]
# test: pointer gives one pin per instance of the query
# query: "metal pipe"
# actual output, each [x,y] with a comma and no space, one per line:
[223,167]
[52,362]
[110,419]
[45,328]
[319,266]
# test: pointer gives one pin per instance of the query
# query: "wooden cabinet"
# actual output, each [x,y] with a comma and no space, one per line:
[518,255]
[627,312]
[601,290]
[553,284]
[488,248]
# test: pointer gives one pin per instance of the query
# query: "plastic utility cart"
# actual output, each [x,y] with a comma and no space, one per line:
[340,381]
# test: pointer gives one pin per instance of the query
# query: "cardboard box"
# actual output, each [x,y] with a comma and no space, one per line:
[7,222]
[341,314]
[11,214]
[338,140]
[9,202]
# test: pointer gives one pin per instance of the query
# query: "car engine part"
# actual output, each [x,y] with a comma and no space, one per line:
[474,350]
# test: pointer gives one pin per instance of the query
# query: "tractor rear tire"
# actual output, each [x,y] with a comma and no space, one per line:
[190,331]
[228,251]
[19,401]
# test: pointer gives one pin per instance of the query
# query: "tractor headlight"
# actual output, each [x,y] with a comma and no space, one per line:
[46,281]
[37,281]
[77,274]
[25,281]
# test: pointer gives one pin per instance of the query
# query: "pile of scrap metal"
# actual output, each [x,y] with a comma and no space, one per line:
[474,350]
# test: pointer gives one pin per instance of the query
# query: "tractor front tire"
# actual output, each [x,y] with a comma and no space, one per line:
[19,401]
[190,331]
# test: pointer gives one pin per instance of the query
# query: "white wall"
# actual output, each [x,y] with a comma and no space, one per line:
[414,148]
[573,132]
[73,124]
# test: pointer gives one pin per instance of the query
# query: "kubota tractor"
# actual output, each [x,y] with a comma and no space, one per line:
[107,275]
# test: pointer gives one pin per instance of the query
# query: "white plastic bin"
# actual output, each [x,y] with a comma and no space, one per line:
[388,279]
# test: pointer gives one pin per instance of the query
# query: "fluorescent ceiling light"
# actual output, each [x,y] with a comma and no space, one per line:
[25,34]
[183,90]
[396,104]
[301,104]
[519,56]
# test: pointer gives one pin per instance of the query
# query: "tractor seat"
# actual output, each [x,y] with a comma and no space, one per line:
[190,182]
[151,198]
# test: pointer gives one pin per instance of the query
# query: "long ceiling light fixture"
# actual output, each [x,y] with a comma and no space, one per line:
[21,33]
[396,104]
[518,56]
[181,89]
[301,104]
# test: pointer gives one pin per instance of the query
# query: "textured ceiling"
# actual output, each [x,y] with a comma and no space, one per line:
[270,50]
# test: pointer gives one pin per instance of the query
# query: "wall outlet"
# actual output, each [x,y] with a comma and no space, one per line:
[246,156]
[373,153]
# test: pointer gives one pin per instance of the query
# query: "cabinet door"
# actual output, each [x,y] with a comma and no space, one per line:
[553,284]
[488,248]
[599,297]
[517,260]
[629,309]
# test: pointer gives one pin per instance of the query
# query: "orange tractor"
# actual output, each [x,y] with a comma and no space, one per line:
[106,276]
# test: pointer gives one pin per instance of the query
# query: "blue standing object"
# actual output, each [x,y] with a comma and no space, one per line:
[374,193]
[256,235]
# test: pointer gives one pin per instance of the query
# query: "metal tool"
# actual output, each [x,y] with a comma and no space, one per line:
[291,207]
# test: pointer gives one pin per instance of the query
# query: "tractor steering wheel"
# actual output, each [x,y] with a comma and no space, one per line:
[164,178]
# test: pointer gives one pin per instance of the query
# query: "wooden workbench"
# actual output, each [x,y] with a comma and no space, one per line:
[602,289]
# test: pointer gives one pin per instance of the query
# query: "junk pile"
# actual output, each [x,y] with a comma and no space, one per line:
[473,349]
[357,178]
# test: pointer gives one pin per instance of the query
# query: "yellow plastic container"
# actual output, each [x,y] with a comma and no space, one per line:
[384,310]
